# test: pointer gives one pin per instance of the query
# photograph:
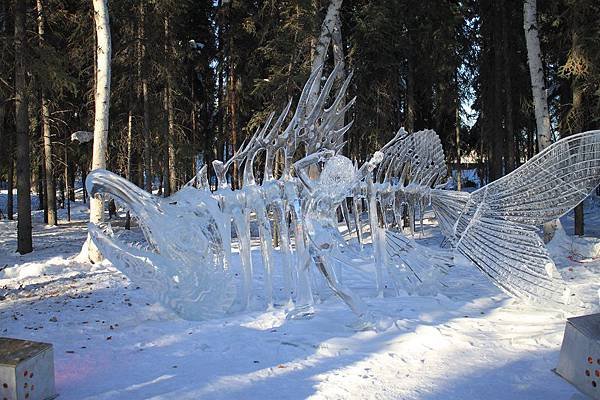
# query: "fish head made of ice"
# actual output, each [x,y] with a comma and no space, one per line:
[181,260]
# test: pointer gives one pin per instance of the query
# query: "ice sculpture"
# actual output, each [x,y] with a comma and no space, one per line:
[187,262]
[324,195]
[496,225]
[183,264]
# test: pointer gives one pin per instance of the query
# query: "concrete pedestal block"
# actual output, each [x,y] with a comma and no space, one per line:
[579,361]
[26,370]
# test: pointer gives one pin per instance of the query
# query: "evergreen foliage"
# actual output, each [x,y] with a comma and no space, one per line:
[215,69]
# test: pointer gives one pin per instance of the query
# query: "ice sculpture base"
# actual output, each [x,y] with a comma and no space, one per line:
[303,312]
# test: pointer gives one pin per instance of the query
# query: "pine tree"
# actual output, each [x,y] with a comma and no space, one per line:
[24,240]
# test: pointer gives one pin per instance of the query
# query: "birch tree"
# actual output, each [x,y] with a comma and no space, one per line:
[320,52]
[536,71]
[538,87]
[101,100]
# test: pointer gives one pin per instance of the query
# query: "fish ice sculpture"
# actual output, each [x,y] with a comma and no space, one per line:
[187,260]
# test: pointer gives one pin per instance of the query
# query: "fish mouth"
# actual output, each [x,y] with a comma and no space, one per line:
[101,181]
[125,254]
[172,258]
[132,198]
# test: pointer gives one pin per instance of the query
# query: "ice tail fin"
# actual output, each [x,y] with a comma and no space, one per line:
[448,206]
[514,258]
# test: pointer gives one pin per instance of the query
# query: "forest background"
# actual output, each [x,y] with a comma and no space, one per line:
[192,79]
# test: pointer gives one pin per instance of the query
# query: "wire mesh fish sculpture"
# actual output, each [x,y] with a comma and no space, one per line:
[187,262]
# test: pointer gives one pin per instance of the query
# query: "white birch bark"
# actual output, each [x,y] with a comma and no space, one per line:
[322,46]
[338,47]
[536,71]
[102,101]
[328,28]
[538,88]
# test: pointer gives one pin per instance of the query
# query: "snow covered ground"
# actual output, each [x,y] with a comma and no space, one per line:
[111,342]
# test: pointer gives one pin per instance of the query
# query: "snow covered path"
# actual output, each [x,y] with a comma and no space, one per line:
[111,342]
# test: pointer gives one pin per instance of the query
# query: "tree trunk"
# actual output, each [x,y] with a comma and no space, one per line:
[220,123]
[102,101]
[536,71]
[170,113]
[322,46]
[538,88]
[49,176]
[147,138]
[579,220]
[457,141]
[84,172]
[509,161]
[232,98]
[3,138]
[146,102]
[232,105]
[50,190]
[171,140]
[61,191]
[69,182]
[577,118]
[498,132]
[11,185]
[40,182]
[24,242]
[128,166]
[71,169]
[8,139]
[409,117]
[171,176]
[338,58]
